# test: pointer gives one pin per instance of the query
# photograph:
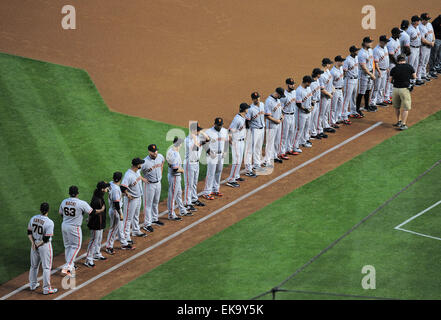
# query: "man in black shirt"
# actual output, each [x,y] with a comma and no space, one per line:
[400,76]
[435,53]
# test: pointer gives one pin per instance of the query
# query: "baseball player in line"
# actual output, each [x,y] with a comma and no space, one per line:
[381,59]
[337,98]
[327,90]
[405,39]
[351,73]
[287,126]
[72,210]
[237,132]
[415,45]
[116,215]
[215,158]
[274,117]
[175,171]
[255,135]
[394,50]
[427,43]
[194,143]
[132,192]
[304,107]
[315,101]
[366,75]
[40,233]
[151,171]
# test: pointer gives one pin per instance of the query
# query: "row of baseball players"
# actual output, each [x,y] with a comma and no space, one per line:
[290,118]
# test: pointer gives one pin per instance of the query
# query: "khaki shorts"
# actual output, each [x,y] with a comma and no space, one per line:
[401,98]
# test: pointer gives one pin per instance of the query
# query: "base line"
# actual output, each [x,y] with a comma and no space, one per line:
[417,215]
[199,221]
[417,233]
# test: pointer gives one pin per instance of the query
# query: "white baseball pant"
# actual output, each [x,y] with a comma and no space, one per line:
[336,107]
[272,137]
[323,115]
[129,212]
[364,84]
[389,86]
[287,132]
[424,60]
[378,93]
[191,176]
[301,121]
[43,255]
[237,152]
[94,246]
[116,229]
[72,238]
[414,59]
[174,195]
[314,119]
[214,172]
[253,148]
[152,192]
[349,97]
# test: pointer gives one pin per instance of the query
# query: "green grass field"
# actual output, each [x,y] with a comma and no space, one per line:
[56,131]
[259,252]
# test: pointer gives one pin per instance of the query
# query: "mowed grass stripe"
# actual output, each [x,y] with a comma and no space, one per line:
[262,250]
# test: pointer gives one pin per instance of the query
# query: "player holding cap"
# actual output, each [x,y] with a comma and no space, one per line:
[151,170]
[40,233]
[116,215]
[193,150]
[394,50]
[274,117]
[415,44]
[255,134]
[132,191]
[303,103]
[327,90]
[337,98]
[287,126]
[427,43]
[315,101]
[237,132]
[350,69]
[366,75]
[72,209]
[215,158]
[381,58]
[174,181]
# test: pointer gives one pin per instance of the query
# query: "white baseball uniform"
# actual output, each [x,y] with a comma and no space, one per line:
[304,97]
[415,45]
[152,171]
[174,183]
[313,120]
[393,48]
[350,67]
[132,181]
[41,226]
[72,210]
[273,108]
[404,42]
[337,98]
[287,126]
[325,102]
[238,134]
[255,135]
[193,152]
[381,57]
[426,33]
[116,225]
[215,161]
[365,57]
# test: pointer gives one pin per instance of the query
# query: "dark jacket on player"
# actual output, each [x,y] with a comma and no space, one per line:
[97,221]
[436,24]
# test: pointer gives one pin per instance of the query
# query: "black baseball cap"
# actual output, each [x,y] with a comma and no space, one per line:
[367,40]
[44,207]
[404,24]
[152,148]
[117,176]
[353,49]
[73,191]
[383,38]
[326,61]
[307,79]
[339,59]
[281,92]
[289,81]
[317,71]
[137,161]
[102,185]
[425,16]
[396,31]
[255,95]
[219,121]
[243,106]
[415,19]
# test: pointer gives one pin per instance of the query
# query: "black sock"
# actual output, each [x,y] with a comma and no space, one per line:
[358,101]
[366,99]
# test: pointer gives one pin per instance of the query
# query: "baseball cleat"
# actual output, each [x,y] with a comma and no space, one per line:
[130,242]
[207,197]
[158,223]
[191,208]
[335,126]
[89,264]
[331,130]
[50,291]
[419,82]
[284,157]
[403,127]
[128,247]
[175,218]
[34,288]
[187,213]
[317,137]
[307,145]
[298,150]
[251,174]
[347,122]
[323,135]
[398,124]
[278,160]
[140,234]
[110,251]
[232,184]
[100,258]
[240,179]
[217,194]
[148,228]
[198,203]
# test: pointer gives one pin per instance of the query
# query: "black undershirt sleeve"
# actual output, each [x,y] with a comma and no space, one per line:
[116,205]
[45,239]
[123,189]
[29,231]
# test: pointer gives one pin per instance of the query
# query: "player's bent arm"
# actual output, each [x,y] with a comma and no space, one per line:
[272,119]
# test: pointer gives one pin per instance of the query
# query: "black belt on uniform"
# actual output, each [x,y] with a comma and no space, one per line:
[383,69]
[153,181]
[338,88]
[257,128]
[415,46]
[288,112]
[353,78]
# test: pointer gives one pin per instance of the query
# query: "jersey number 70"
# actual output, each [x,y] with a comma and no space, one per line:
[69,211]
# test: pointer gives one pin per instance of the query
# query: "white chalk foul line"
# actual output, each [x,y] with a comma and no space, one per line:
[200,220]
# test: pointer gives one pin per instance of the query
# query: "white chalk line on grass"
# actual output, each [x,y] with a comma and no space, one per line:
[172,236]
[399,227]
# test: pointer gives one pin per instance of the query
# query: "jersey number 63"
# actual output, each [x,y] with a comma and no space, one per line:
[69,211]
